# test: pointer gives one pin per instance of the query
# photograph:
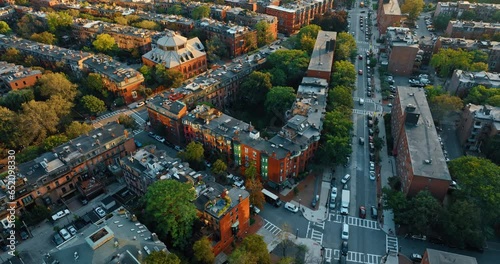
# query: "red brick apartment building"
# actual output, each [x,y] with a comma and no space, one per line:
[120,80]
[235,37]
[293,16]
[16,77]
[177,52]
[321,63]
[224,213]
[250,19]
[168,114]
[388,15]
[471,29]
[403,49]
[75,168]
[250,5]
[420,162]
[478,123]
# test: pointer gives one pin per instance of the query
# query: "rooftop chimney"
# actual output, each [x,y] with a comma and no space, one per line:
[412,115]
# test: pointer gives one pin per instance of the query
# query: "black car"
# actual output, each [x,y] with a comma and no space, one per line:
[58,240]
[344,248]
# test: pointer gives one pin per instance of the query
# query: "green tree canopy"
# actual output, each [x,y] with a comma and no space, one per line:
[169,203]
[44,37]
[200,12]
[53,141]
[293,63]
[95,85]
[175,10]
[306,38]
[127,121]
[480,95]
[444,104]
[216,49]
[332,21]
[336,123]
[253,249]
[264,35]
[4,28]
[279,100]
[424,212]
[441,21]
[345,48]
[395,200]
[254,88]
[104,43]
[16,98]
[413,8]
[490,148]
[340,96]
[193,152]
[479,183]
[161,257]
[219,167]
[8,128]
[147,24]
[51,84]
[203,251]
[37,121]
[254,187]
[12,55]
[344,74]
[448,60]
[462,224]
[59,21]
[29,24]
[76,129]
[92,104]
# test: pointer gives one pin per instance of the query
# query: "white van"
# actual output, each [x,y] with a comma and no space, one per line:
[291,207]
[345,232]
[361,101]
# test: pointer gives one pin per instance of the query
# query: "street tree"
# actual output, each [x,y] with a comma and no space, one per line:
[293,63]
[36,122]
[148,73]
[344,74]
[95,85]
[336,123]
[16,98]
[413,8]
[335,149]
[127,121]
[254,187]
[12,55]
[175,10]
[104,43]
[441,21]
[161,257]
[253,89]
[92,104]
[444,104]
[203,251]
[264,35]
[251,172]
[285,237]
[168,202]
[424,212]
[200,12]
[219,167]
[345,47]
[479,183]
[396,201]
[216,49]
[51,84]
[53,141]
[332,21]
[193,152]
[75,129]
[9,132]
[432,91]
[462,223]
[340,96]
[147,24]
[59,21]
[44,37]
[4,28]
[306,38]
[253,249]
[279,100]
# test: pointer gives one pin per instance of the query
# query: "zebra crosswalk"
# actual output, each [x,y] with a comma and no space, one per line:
[358,257]
[391,243]
[361,112]
[272,228]
[313,232]
[353,221]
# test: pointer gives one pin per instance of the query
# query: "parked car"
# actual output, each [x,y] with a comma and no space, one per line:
[65,234]
[360,72]
[334,193]
[345,179]
[60,214]
[372,175]
[291,207]
[372,166]
[360,57]
[361,140]
[139,104]
[344,248]
[72,230]
[58,240]
[137,143]
[416,257]
[362,212]
[374,212]
[100,212]
[160,139]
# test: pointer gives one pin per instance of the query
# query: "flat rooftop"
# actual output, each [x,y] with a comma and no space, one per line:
[392,8]
[423,143]
[443,257]
[322,55]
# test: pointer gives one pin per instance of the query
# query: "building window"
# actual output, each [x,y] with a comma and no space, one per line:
[57,183]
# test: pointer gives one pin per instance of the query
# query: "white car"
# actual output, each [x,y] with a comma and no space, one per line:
[60,214]
[240,184]
[345,179]
[160,139]
[139,104]
[372,175]
[72,230]
[291,207]
[334,193]
[100,212]
[65,234]
[372,166]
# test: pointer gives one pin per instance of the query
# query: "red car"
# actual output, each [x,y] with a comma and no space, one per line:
[362,212]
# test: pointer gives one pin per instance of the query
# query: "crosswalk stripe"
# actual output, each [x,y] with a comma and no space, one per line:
[358,257]
[272,228]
